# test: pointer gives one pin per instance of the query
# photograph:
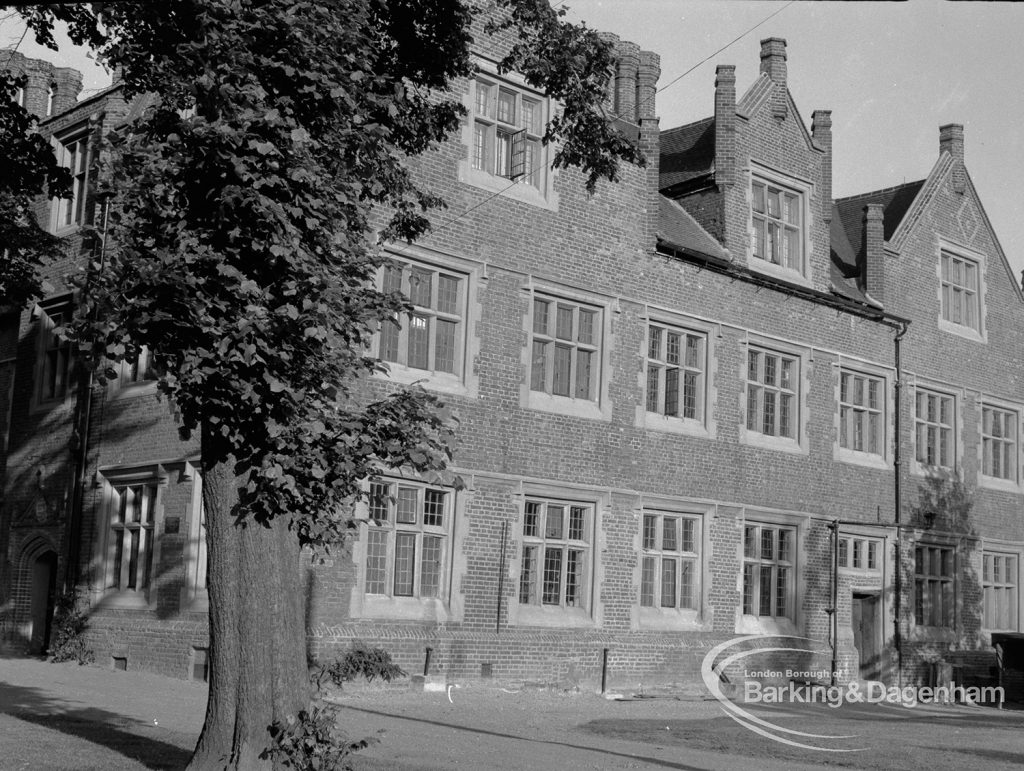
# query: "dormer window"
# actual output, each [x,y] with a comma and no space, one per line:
[778,225]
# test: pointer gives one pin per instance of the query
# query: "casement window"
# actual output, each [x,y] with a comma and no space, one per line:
[670,561]
[857,553]
[935,428]
[431,337]
[54,364]
[999,443]
[934,587]
[508,124]
[565,348]
[73,153]
[769,570]
[773,393]
[407,539]
[141,370]
[961,298]
[131,516]
[861,412]
[555,561]
[999,586]
[676,372]
[777,216]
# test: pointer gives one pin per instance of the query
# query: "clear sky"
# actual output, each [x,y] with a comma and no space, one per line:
[891,73]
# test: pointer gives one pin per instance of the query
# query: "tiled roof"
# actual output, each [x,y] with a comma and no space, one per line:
[678,229]
[895,202]
[844,270]
[687,152]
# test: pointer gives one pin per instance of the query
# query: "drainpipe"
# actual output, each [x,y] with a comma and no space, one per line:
[81,462]
[835,599]
[898,503]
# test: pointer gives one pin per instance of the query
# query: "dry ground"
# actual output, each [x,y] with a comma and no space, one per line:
[61,716]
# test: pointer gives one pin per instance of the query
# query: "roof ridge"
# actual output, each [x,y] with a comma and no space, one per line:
[687,125]
[890,189]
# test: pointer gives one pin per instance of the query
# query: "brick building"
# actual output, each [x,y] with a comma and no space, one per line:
[707,401]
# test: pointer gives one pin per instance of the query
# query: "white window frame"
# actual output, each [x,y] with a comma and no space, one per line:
[752,548]
[928,575]
[1010,482]
[1000,589]
[196,594]
[797,389]
[154,478]
[135,378]
[852,370]
[464,380]
[671,371]
[923,468]
[384,599]
[536,189]
[596,404]
[74,149]
[801,191]
[861,554]
[950,288]
[652,610]
[587,612]
[54,356]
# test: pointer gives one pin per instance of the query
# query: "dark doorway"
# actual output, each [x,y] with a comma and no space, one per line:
[44,595]
[867,634]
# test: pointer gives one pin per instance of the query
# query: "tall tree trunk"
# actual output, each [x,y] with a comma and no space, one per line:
[258,671]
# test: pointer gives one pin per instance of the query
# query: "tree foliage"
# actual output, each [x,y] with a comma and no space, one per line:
[251,200]
[28,169]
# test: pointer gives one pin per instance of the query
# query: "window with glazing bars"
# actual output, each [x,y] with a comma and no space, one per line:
[778,232]
[430,337]
[508,124]
[676,363]
[768,570]
[556,553]
[772,388]
[74,155]
[934,586]
[566,349]
[670,561]
[406,539]
[860,553]
[961,301]
[55,350]
[861,412]
[999,443]
[132,515]
[934,422]
[999,584]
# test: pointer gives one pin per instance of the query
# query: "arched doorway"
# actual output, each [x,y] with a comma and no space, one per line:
[44,595]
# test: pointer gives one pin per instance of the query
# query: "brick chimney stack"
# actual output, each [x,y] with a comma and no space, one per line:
[68,85]
[625,80]
[725,124]
[874,251]
[821,134]
[951,140]
[773,59]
